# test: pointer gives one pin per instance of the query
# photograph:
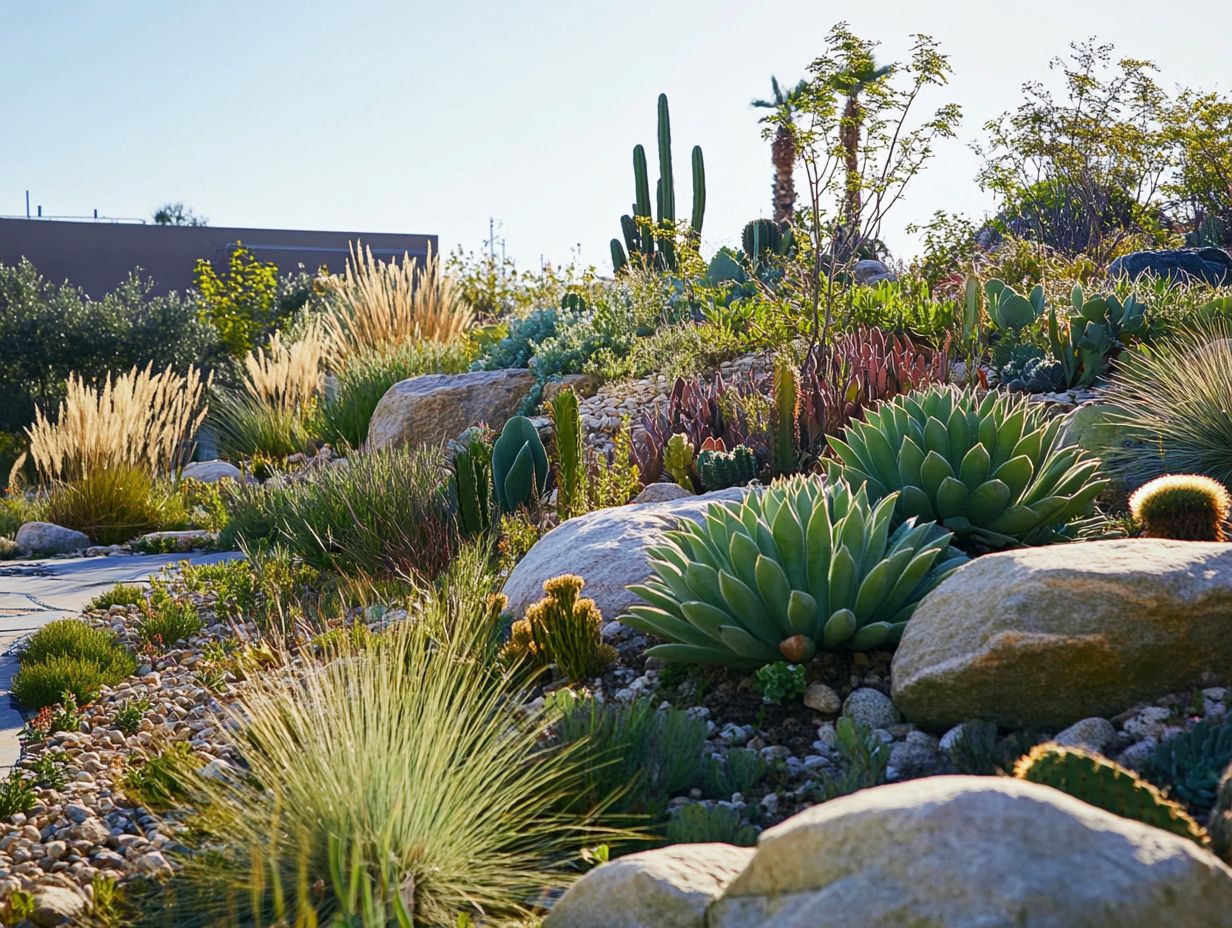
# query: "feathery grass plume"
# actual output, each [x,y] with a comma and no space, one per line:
[141,418]
[275,409]
[383,304]
[1185,507]
[401,773]
[1170,404]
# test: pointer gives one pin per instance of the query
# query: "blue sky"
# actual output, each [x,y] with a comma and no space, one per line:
[431,117]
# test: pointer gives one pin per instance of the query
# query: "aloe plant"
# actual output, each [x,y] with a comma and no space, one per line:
[806,565]
[992,470]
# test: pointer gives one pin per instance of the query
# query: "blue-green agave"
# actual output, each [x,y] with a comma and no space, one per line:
[992,469]
[804,565]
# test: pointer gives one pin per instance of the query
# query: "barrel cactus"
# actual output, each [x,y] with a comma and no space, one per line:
[1184,507]
[718,470]
[1109,786]
[807,564]
[991,469]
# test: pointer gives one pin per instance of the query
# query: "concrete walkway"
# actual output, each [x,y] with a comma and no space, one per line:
[33,593]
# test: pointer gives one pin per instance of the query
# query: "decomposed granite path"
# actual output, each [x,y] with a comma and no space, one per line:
[33,593]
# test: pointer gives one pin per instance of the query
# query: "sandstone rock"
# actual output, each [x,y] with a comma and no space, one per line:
[823,699]
[1042,637]
[970,852]
[662,493]
[431,409]
[211,472]
[57,905]
[1209,265]
[45,538]
[606,548]
[670,887]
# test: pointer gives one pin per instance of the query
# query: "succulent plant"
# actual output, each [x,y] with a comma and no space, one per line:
[1009,310]
[992,470]
[1108,786]
[1031,371]
[763,237]
[700,823]
[472,481]
[1191,764]
[1098,327]
[1186,507]
[1220,823]
[717,470]
[519,465]
[561,629]
[785,419]
[738,771]
[570,453]
[804,565]
[678,460]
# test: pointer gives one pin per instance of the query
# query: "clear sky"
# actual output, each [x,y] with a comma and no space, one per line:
[432,117]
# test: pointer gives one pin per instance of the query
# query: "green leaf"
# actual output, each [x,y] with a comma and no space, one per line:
[838,629]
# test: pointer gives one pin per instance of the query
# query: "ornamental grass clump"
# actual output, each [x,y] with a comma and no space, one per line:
[111,506]
[411,774]
[139,419]
[992,469]
[1185,507]
[383,304]
[1170,407]
[561,629]
[69,656]
[807,565]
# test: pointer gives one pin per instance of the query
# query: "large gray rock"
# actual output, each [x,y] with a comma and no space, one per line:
[46,538]
[1047,636]
[670,887]
[871,271]
[431,409]
[57,905]
[212,472]
[1209,265]
[972,852]
[606,548]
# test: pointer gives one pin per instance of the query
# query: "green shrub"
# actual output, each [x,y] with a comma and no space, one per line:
[365,378]
[697,823]
[242,304]
[992,470]
[167,618]
[806,565]
[122,594]
[163,780]
[459,809]
[246,426]
[781,680]
[45,682]
[1170,407]
[48,771]
[633,751]
[16,795]
[387,511]
[864,758]
[73,638]
[737,771]
[111,506]
[128,717]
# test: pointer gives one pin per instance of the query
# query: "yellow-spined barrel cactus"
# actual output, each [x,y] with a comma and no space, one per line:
[1186,507]
[990,469]
[1109,786]
[561,629]
[1220,824]
[802,566]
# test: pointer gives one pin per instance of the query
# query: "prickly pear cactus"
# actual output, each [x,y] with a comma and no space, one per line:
[1108,786]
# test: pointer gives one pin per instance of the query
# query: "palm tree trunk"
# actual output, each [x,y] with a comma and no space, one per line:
[783,154]
[853,117]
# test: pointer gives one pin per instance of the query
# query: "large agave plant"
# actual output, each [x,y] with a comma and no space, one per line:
[802,566]
[992,470]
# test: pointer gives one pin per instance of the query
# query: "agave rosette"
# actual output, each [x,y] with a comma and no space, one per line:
[804,565]
[992,470]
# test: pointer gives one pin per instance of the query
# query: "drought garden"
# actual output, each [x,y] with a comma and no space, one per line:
[789,583]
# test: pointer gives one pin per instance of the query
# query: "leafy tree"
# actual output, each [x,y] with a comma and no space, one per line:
[176,214]
[1200,192]
[242,304]
[783,147]
[861,74]
[1079,172]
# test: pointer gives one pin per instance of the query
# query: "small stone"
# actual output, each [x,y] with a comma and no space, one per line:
[1094,734]
[1148,722]
[55,849]
[76,812]
[821,698]
[153,863]
[57,905]
[871,707]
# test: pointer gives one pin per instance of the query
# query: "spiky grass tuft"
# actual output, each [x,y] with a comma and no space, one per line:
[1185,507]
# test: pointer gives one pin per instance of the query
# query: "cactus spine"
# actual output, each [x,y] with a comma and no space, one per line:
[718,470]
[1108,786]
[639,239]
[1184,507]
[570,462]
[784,416]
